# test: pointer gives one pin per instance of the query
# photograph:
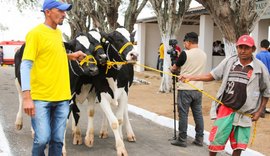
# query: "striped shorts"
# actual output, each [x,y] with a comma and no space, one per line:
[223,129]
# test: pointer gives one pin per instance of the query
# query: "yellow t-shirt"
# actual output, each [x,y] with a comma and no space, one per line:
[49,78]
[161,51]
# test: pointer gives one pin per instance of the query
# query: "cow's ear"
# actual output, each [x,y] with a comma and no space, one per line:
[104,37]
[70,46]
[132,36]
[103,40]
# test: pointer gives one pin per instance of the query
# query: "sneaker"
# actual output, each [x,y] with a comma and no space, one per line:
[179,143]
[198,141]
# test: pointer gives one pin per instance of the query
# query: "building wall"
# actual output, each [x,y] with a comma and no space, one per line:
[153,40]
[260,32]
[185,29]
[149,49]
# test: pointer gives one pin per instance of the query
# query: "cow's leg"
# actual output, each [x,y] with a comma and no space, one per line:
[130,134]
[123,111]
[76,131]
[104,127]
[106,107]
[89,137]
[19,117]
[64,151]
[79,99]
[32,132]
[122,101]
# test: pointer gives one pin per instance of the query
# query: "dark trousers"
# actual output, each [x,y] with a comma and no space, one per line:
[160,62]
[190,99]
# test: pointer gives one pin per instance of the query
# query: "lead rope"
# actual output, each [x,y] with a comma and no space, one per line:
[110,64]
[206,94]
[87,60]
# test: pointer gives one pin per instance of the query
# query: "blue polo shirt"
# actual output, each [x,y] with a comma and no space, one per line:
[264,56]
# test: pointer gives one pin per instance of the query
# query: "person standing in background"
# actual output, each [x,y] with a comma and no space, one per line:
[264,56]
[188,97]
[1,56]
[161,57]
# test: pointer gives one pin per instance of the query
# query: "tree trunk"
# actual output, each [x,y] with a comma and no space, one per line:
[132,13]
[230,47]
[110,9]
[169,16]
[79,18]
[166,81]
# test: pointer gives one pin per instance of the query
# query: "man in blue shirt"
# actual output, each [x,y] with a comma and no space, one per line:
[264,56]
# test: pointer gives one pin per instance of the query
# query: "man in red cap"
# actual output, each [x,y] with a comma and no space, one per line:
[244,92]
[45,80]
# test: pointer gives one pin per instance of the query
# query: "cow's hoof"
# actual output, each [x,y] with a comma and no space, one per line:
[103,135]
[89,141]
[64,153]
[77,139]
[18,124]
[131,138]
[121,151]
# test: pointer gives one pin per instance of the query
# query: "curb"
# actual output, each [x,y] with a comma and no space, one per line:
[168,122]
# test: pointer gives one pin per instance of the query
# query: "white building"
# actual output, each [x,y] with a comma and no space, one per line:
[197,20]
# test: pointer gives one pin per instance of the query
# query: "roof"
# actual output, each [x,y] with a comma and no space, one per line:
[191,17]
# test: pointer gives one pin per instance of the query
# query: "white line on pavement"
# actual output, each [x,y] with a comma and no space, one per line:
[4,145]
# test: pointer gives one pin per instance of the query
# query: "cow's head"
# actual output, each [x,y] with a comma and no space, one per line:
[121,39]
[98,52]
[90,46]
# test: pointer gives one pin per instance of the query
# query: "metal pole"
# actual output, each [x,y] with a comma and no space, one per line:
[174,109]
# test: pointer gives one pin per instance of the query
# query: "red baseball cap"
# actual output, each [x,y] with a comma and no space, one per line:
[246,40]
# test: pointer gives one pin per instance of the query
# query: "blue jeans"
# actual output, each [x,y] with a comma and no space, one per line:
[49,124]
[161,66]
[192,99]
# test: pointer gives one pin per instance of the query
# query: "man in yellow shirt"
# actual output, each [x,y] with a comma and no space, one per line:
[45,79]
[161,57]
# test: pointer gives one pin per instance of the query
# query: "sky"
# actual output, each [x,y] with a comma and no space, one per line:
[20,23]
[16,22]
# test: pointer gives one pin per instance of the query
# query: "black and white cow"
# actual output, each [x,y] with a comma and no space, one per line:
[87,43]
[110,89]
[121,80]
